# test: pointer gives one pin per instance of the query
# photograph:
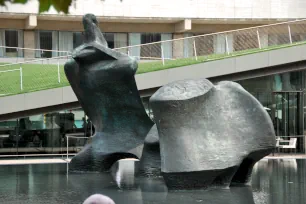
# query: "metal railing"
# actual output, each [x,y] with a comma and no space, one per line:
[74,137]
[32,75]
[196,49]
[19,54]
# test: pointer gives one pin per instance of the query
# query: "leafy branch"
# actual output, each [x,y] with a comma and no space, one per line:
[44,5]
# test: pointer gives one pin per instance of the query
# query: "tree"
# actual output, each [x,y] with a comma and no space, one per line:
[44,5]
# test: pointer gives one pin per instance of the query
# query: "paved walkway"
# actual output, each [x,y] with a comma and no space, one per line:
[284,156]
[32,161]
[64,160]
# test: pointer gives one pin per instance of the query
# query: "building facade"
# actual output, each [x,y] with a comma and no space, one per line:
[134,22]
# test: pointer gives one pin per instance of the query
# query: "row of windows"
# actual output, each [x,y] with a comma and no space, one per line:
[67,41]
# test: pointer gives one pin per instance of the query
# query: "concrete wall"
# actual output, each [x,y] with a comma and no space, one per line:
[178,46]
[250,9]
[29,42]
[105,26]
[235,65]
[12,23]
[128,27]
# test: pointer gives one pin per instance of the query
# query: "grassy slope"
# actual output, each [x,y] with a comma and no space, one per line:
[39,77]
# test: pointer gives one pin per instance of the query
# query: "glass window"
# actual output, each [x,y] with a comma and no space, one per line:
[11,40]
[46,133]
[110,38]
[78,39]
[46,43]
[150,37]
[153,51]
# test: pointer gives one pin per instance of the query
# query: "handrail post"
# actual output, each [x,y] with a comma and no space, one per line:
[289,31]
[17,50]
[58,72]
[258,38]
[21,82]
[162,54]
[226,44]
[67,146]
[195,50]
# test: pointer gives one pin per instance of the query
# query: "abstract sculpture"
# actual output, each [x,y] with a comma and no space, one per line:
[103,81]
[205,135]
[209,135]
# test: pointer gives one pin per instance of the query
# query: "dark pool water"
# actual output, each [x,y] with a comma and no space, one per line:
[273,182]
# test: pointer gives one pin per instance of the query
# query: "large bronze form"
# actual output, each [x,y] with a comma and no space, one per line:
[210,135]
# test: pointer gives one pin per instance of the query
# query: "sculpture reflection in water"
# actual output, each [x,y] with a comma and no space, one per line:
[205,135]
[155,190]
[273,182]
[140,190]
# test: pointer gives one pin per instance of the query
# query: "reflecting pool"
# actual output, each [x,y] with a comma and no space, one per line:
[281,181]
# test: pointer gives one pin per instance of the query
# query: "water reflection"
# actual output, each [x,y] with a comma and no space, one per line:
[274,182]
[280,181]
[123,173]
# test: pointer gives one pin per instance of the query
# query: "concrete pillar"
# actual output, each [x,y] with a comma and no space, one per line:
[31,22]
[178,46]
[29,42]
[183,26]
[181,47]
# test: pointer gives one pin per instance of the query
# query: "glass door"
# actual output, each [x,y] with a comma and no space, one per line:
[288,115]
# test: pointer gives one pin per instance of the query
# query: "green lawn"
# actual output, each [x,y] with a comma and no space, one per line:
[39,77]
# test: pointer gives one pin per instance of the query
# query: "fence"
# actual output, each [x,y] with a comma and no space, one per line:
[19,54]
[196,49]
[155,56]
[33,75]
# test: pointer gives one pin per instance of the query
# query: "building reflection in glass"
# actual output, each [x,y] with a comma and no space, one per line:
[45,133]
[282,95]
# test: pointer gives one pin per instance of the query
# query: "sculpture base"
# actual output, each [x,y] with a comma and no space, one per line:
[200,179]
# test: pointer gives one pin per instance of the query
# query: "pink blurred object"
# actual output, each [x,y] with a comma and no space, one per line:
[98,199]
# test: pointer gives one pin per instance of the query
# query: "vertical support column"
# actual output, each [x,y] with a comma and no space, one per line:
[289,31]
[29,42]
[258,38]
[21,81]
[58,72]
[17,135]
[178,46]
[300,121]
[226,44]
[195,50]
[67,146]
[162,54]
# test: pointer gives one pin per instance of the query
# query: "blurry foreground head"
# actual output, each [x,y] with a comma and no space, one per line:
[98,199]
